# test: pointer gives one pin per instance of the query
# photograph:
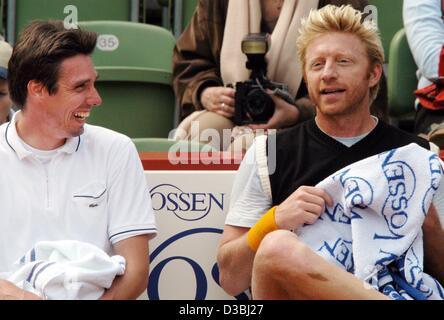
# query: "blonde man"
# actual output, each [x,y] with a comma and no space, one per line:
[342,58]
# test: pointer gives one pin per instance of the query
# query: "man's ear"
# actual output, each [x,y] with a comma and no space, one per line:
[375,74]
[36,89]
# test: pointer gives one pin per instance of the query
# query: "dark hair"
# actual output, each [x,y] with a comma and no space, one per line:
[37,55]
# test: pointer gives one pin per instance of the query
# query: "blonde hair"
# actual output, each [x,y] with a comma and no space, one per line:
[341,19]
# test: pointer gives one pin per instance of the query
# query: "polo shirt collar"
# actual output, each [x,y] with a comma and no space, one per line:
[16,143]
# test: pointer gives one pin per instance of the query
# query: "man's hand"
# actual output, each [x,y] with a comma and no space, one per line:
[219,100]
[285,115]
[304,206]
[9,291]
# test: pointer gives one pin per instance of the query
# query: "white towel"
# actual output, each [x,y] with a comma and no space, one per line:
[374,228]
[67,270]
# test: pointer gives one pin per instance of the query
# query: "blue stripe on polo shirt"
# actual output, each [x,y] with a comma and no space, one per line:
[6,136]
[78,145]
[133,230]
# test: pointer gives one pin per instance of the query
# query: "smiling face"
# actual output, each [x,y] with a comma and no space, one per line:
[64,113]
[339,75]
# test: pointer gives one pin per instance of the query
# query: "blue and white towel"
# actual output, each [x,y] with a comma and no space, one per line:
[374,228]
[61,270]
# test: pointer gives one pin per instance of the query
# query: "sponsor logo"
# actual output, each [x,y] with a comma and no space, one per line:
[188,206]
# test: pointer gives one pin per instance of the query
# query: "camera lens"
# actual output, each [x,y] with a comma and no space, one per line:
[259,106]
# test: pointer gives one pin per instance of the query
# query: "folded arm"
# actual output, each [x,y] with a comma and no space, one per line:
[8,291]
[135,279]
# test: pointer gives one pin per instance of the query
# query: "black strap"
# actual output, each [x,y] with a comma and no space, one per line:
[442,10]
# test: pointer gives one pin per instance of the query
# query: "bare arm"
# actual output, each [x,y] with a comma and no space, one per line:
[235,260]
[434,245]
[135,280]
[9,291]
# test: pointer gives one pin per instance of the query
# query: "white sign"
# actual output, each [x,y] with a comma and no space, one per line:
[107,42]
[190,209]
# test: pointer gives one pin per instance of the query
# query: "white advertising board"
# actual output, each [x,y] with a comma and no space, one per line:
[190,209]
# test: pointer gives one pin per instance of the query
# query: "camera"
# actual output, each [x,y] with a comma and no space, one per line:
[252,102]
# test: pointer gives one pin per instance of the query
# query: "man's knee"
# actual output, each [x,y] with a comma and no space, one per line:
[281,249]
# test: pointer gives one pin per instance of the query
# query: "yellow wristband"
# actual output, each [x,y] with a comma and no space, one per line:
[264,226]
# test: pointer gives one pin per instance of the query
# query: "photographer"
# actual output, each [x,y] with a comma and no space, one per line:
[208,57]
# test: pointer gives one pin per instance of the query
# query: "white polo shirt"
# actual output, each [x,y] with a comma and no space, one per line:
[93,190]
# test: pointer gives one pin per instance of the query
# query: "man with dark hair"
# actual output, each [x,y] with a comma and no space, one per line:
[67,180]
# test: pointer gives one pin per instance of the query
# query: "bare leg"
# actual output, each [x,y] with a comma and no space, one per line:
[285,268]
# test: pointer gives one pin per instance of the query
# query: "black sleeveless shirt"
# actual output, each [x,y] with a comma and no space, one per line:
[305,155]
